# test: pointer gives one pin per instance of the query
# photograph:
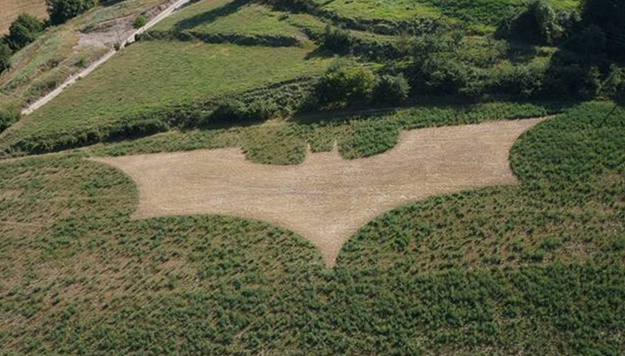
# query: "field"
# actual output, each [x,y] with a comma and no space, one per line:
[12,8]
[182,73]
[332,178]
[540,260]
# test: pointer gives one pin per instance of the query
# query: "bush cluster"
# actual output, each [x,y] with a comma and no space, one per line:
[23,30]
[233,111]
[537,24]
[62,10]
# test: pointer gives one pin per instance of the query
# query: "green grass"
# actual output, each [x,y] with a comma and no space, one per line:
[156,74]
[480,14]
[535,269]
[226,17]
[284,142]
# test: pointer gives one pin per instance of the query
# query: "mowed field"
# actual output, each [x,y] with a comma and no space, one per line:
[534,269]
[481,231]
[12,8]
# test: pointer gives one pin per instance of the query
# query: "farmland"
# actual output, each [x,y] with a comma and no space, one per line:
[269,110]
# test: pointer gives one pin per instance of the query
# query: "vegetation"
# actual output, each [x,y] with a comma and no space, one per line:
[62,10]
[139,22]
[24,30]
[607,15]
[179,76]
[5,57]
[534,269]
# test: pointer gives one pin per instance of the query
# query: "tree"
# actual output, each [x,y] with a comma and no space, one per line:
[24,30]
[537,24]
[343,83]
[63,10]
[608,15]
[391,90]
[5,57]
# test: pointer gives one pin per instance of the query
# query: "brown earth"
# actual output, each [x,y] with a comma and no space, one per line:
[326,199]
[10,9]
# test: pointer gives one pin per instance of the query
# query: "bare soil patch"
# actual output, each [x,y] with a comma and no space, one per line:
[326,199]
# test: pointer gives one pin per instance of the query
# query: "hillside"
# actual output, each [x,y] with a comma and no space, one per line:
[309,177]
[12,8]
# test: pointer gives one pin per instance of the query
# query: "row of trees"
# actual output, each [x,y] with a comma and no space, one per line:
[26,28]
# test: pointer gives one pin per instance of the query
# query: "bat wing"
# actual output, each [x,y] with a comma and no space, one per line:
[326,199]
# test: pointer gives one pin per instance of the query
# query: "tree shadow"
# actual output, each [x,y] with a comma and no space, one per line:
[210,16]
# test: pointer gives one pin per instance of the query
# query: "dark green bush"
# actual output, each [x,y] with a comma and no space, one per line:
[391,90]
[537,24]
[62,10]
[343,83]
[8,116]
[235,111]
[590,41]
[139,22]
[24,30]
[608,15]
[5,57]
[337,40]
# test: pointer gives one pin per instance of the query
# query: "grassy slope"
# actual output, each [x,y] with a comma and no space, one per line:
[475,272]
[481,13]
[55,55]
[155,74]
[229,17]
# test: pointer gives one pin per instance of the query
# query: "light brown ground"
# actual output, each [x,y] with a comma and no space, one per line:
[326,199]
[10,9]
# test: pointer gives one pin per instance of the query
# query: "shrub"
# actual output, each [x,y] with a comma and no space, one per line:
[139,22]
[591,40]
[608,15]
[8,116]
[391,90]
[62,10]
[337,40]
[236,111]
[536,24]
[5,57]
[343,83]
[524,80]
[24,30]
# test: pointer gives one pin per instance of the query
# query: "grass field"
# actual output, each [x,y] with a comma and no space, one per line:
[234,17]
[180,73]
[535,269]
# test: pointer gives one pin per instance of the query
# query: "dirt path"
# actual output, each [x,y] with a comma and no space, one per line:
[326,199]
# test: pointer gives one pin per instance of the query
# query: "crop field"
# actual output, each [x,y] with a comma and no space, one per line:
[79,276]
[318,177]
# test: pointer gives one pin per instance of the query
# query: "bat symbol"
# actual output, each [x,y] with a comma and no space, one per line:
[326,199]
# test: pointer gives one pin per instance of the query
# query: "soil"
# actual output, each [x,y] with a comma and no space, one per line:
[326,199]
